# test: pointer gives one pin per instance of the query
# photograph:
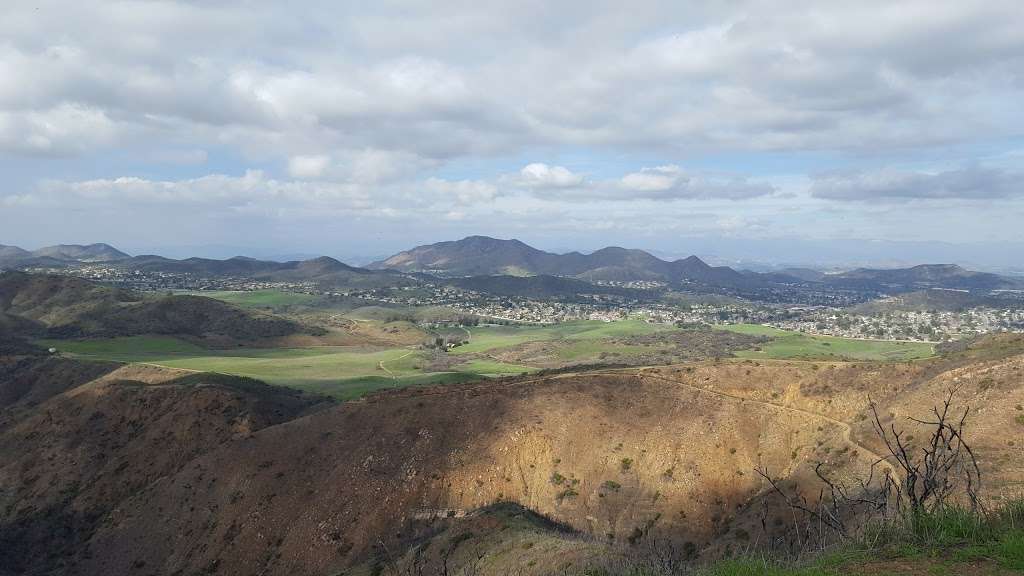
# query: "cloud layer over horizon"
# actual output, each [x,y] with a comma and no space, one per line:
[571,124]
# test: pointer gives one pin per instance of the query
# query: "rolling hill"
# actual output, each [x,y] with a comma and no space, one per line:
[925,276]
[59,255]
[68,307]
[110,432]
[89,253]
[323,271]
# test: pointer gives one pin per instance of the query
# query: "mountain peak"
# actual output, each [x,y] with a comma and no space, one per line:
[483,255]
[488,241]
[98,252]
[693,260]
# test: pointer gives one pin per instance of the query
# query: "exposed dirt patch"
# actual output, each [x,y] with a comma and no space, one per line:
[667,347]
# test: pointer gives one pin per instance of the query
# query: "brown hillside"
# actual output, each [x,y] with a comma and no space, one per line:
[668,452]
[72,460]
[68,307]
[607,454]
[27,381]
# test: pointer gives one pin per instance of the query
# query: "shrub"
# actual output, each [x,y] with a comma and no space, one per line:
[611,485]
[569,492]
[626,464]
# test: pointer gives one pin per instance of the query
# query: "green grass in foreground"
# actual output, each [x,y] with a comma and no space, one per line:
[951,541]
[798,346]
[342,372]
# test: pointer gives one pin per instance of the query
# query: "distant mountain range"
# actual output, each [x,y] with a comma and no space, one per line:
[323,270]
[490,264]
[13,255]
[948,276]
[481,255]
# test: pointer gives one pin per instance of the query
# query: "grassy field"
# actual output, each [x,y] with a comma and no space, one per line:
[486,338]
[343,372]
[260,298]
[348,371]
[794,345]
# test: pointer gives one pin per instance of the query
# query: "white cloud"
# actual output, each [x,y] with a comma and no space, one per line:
[672,183]
[539,175]
[657,179]
[361,104]
[63,129]
[736,76]
[308,166]
[257,192]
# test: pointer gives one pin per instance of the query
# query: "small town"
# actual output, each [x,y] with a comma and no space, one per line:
[918,326]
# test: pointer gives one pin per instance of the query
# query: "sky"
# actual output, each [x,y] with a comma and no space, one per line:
[762,130]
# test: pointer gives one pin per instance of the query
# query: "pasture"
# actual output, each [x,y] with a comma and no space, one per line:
[489,338]
[798,346]
[348,372]
[344,372]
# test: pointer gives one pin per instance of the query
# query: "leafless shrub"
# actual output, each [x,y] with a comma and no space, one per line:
[908,480]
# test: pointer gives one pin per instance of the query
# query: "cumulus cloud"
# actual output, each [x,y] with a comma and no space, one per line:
[360,106]
[672,183]
[63,129]
[657,179]
[257,192]
[971,183]
[744,75]
[540,175]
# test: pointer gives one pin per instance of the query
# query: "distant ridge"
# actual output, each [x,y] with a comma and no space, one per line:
[82,253]
[482,255]
[11,256]
[924,276]
[479,256]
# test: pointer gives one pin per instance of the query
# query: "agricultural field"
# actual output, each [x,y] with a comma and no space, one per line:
[487,338]
[344,372]
[351,371]
[797,346]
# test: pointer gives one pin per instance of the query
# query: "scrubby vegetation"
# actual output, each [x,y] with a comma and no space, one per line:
[949,541]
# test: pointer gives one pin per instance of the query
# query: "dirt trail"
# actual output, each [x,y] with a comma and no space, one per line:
[385,368]
[643,371]
[846,428]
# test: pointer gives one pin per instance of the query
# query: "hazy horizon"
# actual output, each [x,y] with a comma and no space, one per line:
[754,255]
